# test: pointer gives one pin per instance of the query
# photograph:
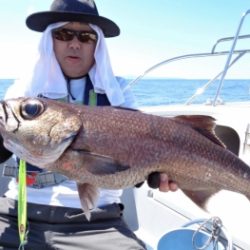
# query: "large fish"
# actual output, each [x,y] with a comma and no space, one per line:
[115,148]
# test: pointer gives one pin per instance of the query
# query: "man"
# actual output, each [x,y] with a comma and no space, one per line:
[74,67]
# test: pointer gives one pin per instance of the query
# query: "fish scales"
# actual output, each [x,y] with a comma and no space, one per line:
[115,148]
[139,126]
[151,150]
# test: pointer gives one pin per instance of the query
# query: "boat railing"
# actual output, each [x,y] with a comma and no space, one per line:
[229,62]
[229,58]
[226,39]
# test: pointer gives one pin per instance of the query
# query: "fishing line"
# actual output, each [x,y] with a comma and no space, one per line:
[22,205]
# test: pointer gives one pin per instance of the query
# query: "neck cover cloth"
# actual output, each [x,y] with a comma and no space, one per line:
[48,79]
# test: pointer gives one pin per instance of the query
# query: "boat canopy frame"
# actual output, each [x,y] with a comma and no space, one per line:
[229,62]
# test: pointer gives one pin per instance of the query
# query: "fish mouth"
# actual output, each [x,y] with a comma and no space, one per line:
[7,115]
[3,113]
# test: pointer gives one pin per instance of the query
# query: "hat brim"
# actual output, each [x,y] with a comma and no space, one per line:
[40,20]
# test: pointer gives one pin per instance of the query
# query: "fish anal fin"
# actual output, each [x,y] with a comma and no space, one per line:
[203,124]
[200,197]
[248,197]
[88,195]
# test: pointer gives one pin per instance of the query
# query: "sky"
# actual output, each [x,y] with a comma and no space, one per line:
[151,31]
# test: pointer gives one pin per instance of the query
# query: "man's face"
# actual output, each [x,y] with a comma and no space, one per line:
[75,57]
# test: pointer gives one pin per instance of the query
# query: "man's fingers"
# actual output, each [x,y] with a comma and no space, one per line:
[166,184]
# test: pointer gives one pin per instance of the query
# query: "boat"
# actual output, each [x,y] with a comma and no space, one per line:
[170,220]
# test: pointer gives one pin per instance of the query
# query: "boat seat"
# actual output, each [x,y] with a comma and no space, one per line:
[229,137]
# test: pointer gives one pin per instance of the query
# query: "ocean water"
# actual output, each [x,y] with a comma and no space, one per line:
[152,92]
[4,84]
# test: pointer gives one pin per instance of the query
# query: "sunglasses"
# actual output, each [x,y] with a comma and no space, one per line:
[68,35]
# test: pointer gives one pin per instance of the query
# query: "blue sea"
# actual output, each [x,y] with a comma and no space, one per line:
[152,92]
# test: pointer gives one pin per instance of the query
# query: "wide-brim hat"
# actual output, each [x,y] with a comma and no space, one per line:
[72,11]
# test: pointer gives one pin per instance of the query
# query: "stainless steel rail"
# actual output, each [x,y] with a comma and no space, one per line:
[230,56]
[182,57]
[222,74]
[226,39]
[205,86]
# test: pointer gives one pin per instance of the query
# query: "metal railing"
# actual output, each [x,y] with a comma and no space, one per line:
[229,58]
[229,62]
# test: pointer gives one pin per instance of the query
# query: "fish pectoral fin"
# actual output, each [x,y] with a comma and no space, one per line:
[88,195]
[102,165]
[203,124]
[200,197]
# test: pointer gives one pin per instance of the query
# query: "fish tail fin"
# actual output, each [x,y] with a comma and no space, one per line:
[200,197]
[88,195]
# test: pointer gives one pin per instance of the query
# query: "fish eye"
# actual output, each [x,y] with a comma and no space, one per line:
[31,108]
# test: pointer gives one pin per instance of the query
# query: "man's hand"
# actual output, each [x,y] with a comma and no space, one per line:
[161,181]
[166,184]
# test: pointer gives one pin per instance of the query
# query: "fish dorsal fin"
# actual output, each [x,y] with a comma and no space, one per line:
[203,124]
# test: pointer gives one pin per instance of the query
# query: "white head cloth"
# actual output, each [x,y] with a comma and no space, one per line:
[47,77]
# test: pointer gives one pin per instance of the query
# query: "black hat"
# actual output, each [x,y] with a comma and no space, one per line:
[72,11]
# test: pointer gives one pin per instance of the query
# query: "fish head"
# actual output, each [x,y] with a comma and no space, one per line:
[37,130]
